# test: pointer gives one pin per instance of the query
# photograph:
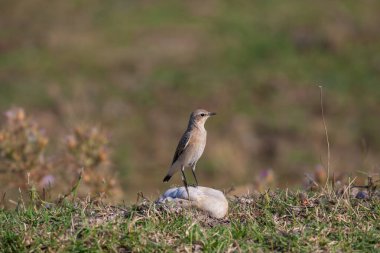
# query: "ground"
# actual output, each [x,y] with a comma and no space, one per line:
[279,220]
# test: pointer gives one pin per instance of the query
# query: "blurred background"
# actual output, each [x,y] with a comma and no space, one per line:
[132,71]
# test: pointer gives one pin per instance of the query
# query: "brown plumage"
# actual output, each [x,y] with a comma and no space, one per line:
[191,145]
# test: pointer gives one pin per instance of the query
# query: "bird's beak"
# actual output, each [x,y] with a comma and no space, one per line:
[211,113]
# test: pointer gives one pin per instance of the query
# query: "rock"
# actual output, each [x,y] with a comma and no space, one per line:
[207,199]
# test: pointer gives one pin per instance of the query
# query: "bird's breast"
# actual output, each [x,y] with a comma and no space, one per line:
[198,146]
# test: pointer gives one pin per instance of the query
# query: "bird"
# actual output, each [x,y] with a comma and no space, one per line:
[190,147]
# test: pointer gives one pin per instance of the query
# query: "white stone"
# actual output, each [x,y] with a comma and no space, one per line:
[207,199]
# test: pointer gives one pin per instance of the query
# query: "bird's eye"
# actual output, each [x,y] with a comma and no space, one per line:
[202,114]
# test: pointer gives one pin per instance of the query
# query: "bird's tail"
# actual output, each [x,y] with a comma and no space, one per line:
[167,178]
[171,172]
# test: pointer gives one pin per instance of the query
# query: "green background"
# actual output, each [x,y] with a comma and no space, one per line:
[138,68]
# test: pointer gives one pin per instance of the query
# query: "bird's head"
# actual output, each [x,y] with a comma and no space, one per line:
[200,116]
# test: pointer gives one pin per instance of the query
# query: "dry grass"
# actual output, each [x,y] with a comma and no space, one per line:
[26,160]
[272,221]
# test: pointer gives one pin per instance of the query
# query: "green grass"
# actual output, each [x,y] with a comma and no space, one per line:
[273,221]
[139,68]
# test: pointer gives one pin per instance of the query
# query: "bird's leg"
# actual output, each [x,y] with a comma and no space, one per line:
[185,181]
[195,177]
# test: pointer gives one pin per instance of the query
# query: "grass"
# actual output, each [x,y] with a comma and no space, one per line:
[139,68]
[279,220]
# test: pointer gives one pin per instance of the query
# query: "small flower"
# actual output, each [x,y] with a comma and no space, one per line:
[71,141]
[43,141]
[15,114]
[20,114]
[47,181]
[320,174]
[362,195]
[303,199]
[102,155]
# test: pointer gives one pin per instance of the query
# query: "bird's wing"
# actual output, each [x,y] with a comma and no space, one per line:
[183,143]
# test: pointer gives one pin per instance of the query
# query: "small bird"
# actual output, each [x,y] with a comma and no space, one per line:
[191,146]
